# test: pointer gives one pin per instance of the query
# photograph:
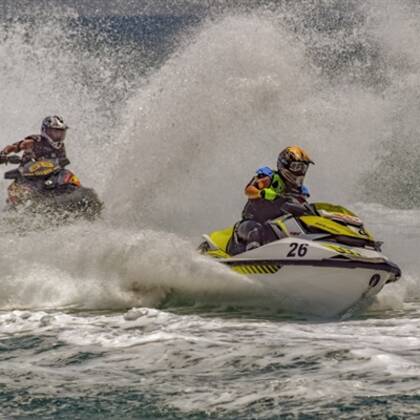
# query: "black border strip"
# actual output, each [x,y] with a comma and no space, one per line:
[350,264]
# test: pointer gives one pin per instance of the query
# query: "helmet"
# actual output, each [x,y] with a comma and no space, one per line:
[292,163]
[54,128]
[53,121]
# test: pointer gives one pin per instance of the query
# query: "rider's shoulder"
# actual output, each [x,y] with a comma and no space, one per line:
[304,190]
[34,137]
[264,171]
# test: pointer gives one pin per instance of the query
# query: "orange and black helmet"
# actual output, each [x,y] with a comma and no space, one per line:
[293,163]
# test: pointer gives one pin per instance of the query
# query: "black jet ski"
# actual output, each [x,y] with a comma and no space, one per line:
[47,186]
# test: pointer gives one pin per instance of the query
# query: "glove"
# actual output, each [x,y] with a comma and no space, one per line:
[268,194]
[3,157]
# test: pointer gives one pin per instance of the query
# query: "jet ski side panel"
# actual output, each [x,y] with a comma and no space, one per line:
[318,278]
[320,291]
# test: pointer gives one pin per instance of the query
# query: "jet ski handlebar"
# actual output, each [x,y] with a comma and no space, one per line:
[15,159]
[298,209]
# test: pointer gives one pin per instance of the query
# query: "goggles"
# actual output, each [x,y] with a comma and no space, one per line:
[298,167]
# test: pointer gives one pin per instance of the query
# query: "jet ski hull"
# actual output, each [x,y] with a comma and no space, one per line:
[326,289]
[312,277]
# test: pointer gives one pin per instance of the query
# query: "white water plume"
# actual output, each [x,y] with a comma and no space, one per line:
[235,95]
[96,267]
[49,67]
[176,156]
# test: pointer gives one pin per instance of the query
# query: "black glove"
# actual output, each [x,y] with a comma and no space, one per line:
[63,162]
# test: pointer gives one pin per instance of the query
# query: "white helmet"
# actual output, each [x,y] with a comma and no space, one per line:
[57,123]
[53,121]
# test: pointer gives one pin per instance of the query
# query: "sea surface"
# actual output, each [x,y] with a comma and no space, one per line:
[171,112]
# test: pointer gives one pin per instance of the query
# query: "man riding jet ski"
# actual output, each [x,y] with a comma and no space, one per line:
[41,181]
[313,258]
[267,193]
[48,145]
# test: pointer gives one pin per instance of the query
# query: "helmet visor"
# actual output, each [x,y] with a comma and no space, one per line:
[56,134]
[298,167]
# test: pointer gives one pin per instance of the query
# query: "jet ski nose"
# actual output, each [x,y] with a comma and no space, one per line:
[395,270]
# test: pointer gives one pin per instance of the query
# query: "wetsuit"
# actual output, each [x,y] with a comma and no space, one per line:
[267,192]
[36,147]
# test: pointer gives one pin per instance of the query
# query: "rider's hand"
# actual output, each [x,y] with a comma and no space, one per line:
[3,157]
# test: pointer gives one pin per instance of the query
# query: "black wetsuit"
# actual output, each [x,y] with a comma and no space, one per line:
[42,149]
[253,227]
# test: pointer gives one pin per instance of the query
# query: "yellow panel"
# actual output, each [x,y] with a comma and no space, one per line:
[218,253]
[255,269]
[332,208]
[237,270]
[333,227]
[221,238]
[272,268]
[342,250]
[41,168]
[263,269]
[282,226]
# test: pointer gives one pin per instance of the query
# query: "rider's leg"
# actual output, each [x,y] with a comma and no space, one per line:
[250,233]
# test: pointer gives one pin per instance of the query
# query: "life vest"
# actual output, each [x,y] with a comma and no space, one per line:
[261,209]
[42,149]
[277,184]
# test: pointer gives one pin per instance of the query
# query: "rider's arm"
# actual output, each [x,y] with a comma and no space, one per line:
[22,145]
[256,186]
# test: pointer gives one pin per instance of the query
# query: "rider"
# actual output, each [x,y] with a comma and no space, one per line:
[267,192]
[48,145]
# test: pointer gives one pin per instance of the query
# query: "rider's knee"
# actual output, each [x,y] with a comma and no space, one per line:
[249,231]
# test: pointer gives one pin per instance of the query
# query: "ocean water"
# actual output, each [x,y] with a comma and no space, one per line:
[171,112]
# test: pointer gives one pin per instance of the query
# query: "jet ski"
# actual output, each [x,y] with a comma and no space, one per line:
[46,186]
[321,261]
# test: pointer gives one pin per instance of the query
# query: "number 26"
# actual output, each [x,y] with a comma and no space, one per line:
[297,250]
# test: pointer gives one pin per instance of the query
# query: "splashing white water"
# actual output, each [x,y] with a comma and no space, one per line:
[102,267]
[227,103]
[175,158]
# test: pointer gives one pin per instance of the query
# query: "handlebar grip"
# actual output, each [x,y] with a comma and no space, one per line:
[13,159]
[64,162]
